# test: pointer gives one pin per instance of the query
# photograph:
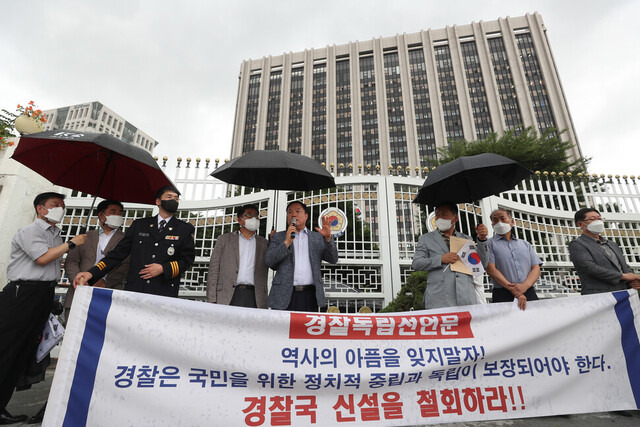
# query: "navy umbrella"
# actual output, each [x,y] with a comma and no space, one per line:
[470,178]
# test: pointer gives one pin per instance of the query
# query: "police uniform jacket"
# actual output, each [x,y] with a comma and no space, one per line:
[173,248]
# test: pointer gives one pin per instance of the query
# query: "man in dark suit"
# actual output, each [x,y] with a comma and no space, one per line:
[99,243]
[161,249]
[237,272]
[599,261]
[297,255]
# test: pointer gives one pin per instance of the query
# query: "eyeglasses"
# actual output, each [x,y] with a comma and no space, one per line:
[249,216]
[593,219]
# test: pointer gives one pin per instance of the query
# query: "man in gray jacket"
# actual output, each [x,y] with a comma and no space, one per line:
[446,288]
[297,254]
[599,261]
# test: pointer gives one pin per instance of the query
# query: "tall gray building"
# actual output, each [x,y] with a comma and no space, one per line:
[392,102]
[96,117]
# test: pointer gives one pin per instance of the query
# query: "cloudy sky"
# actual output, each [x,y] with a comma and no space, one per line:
[171,67]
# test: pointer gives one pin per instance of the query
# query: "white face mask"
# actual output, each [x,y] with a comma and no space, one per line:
[114,221]
[501,228]
[55,215]
[596,227]
[443,224]
[252,224]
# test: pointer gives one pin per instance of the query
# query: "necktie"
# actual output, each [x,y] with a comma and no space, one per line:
[161,225]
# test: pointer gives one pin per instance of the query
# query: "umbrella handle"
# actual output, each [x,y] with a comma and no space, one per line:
[85,227]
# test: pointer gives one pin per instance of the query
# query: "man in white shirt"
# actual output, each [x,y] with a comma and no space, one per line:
[99,243]
[297,254]
[237,272]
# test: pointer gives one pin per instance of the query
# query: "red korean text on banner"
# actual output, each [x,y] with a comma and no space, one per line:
[404,327]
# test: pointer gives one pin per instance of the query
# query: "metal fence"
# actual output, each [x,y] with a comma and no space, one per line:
[376,250]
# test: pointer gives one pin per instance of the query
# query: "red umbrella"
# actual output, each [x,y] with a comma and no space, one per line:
[93,163]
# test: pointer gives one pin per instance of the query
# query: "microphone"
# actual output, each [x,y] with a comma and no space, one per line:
[293,222]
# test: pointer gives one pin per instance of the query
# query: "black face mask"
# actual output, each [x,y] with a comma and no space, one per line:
[170,206]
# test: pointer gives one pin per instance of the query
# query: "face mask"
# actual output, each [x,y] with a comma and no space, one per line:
[170,206]
[114,221]
[443,224]
[252,224]
[501,228]
[596,227]
[55,215]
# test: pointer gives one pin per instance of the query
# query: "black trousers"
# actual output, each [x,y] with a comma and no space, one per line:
[244,296]
[24,310]
[503,295]
[304,300]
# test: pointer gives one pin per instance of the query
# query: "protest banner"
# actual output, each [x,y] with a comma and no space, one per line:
[136,359]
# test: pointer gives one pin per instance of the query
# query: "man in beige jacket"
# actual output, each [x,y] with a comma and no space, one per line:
[99,243]
[237,272]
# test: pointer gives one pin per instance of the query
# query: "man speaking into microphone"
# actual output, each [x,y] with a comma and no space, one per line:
[296,255]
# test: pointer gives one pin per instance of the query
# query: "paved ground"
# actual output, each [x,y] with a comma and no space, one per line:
[30,401]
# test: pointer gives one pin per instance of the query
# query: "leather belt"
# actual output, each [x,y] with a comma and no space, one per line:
[243,286]
[303,288]
[51,283]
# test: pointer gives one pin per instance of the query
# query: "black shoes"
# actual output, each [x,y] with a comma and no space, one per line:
[37,418]
[6,418]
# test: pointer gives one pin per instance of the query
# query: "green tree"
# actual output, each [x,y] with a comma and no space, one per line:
[7,128]
[546,152]
[410,295]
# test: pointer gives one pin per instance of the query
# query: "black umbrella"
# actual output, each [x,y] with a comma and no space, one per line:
[275,170]
[94,163]
[467,179]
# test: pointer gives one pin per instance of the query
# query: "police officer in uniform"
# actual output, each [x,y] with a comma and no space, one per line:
[161,249]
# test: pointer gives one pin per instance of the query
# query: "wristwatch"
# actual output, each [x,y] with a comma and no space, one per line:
[71,244]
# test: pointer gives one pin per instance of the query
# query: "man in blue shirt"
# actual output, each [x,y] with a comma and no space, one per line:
[512,263]
[25,302]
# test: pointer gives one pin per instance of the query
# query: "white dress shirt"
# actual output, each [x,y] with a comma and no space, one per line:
[247,261]
[302,274]
[103,241]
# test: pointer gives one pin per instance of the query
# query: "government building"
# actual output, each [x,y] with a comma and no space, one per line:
[96,117]
[390,103]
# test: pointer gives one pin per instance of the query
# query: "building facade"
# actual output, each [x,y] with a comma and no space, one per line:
[390,103]
[95,117]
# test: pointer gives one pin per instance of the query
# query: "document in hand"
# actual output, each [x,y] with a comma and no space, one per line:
[469,259]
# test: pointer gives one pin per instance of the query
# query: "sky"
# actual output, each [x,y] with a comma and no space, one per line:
[171,67]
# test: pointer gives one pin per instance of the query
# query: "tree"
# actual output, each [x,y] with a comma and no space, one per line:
[410,295]
[7,129]
[546,152]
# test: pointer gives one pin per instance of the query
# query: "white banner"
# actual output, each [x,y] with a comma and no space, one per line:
[131,359]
